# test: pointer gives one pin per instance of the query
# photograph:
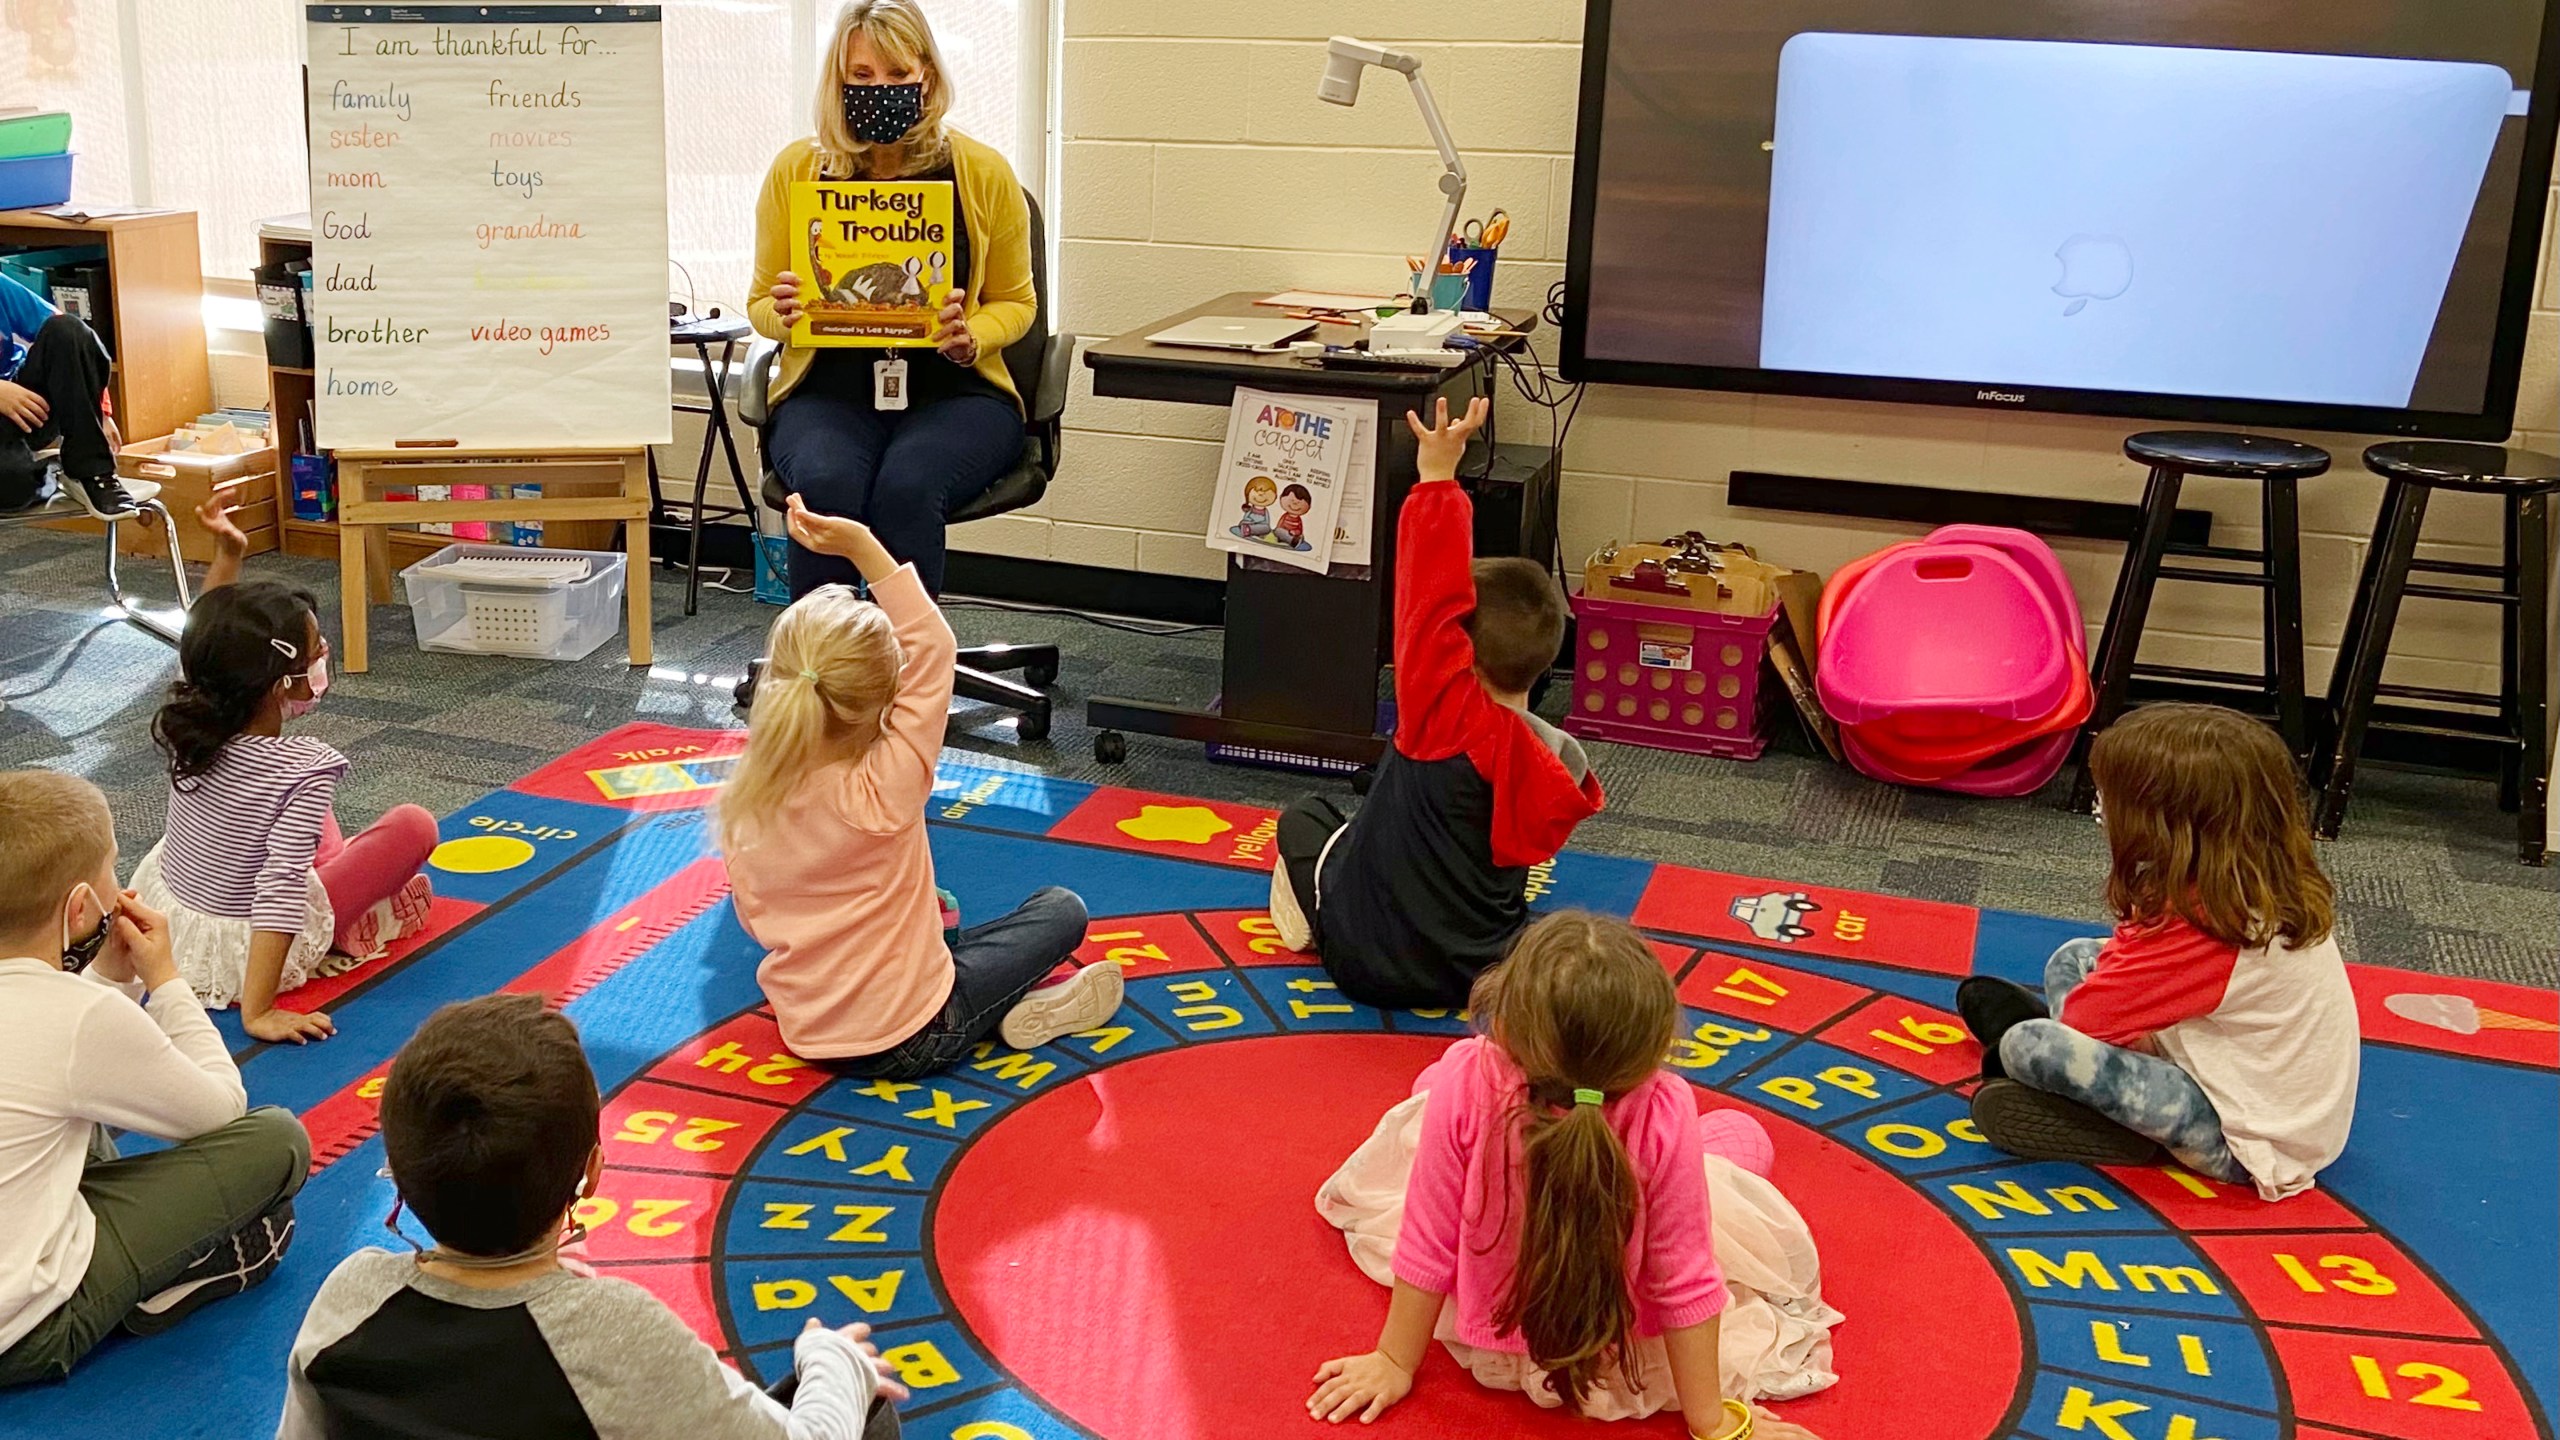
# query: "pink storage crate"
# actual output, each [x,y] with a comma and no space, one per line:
[1671,677]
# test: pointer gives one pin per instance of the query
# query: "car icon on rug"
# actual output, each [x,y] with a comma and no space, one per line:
[1777,915]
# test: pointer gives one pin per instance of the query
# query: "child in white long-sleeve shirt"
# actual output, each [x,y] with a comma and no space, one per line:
[89,1241]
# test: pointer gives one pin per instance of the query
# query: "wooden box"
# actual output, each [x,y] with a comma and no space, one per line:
[248,481]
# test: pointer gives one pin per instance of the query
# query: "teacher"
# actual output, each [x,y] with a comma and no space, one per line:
[838,444]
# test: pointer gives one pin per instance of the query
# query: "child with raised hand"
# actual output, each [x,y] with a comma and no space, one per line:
[97,1031]
[489,1125]
[261,889]
[2217,1021]
[1406,902]
[1556,1233]
[822,824]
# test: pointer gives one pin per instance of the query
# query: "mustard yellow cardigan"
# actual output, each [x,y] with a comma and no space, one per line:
[1001,302]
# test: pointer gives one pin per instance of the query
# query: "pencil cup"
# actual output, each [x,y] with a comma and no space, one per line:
[1479,290]
[1448,292]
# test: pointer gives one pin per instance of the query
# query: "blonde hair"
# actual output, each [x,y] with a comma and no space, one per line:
[54,833]
[832,671]
[1581,1004]
[2205,822]
[897,30]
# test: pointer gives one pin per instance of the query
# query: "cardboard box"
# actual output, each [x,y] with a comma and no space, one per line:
[1692,572]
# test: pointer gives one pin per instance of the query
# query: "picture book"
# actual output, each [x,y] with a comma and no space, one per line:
[1281,478]
[874,259]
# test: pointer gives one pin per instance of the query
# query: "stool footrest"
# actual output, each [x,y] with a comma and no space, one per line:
[2193,675]
[2218,552]
[2460,567]
[2439,696]
[2215,577]
[2456,592]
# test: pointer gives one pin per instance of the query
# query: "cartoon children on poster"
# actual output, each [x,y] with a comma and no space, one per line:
[1290,530]
[1259,493]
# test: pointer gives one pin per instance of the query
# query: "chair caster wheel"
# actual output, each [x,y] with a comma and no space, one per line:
[1363,778]
[1039,677]
[1033,727]
[1109,747]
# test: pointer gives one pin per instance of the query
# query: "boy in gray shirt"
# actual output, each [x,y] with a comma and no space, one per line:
[489,1120]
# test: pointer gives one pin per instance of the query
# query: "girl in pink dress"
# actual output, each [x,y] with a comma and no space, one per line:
[1556,1232]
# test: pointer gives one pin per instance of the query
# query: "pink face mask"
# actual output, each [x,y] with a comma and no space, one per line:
[318,676]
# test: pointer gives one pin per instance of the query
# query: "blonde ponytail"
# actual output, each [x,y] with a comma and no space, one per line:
[832,671]
[1586,1011]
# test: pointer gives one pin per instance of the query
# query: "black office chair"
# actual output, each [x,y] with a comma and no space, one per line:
[1038,363]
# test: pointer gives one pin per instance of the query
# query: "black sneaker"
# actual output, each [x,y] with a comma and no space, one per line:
[744,697]
[2037,1125]
[105,497]
[236,1262]
[1988,1006]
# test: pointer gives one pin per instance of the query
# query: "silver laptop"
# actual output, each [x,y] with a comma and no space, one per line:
[1234,332]
[2119,217]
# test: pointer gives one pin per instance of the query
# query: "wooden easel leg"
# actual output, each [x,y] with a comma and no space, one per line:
[635,585]
[377,561]
[353,596]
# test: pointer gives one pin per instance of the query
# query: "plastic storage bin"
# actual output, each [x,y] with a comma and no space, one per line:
[45,133]
[1671,677]
[34,180]
[505,600]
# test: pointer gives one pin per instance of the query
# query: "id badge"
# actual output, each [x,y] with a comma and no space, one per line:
[889,383]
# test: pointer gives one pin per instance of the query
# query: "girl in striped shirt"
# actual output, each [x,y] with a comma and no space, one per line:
[261,890]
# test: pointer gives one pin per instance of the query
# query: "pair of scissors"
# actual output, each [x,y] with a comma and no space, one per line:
[1487,233]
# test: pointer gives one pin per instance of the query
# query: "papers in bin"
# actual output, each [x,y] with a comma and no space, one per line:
[537,572]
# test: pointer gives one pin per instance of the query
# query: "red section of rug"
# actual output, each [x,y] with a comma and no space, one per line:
[1141,1249]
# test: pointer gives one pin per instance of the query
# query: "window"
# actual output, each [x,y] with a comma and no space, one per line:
[198,106]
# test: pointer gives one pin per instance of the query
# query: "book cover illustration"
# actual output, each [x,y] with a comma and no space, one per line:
[875,257]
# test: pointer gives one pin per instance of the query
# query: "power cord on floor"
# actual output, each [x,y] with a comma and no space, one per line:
[1107,622]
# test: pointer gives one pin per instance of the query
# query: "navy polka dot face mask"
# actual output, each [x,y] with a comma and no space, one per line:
[883,114]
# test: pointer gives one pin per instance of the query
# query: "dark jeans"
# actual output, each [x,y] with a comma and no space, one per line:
[68,367]
[1305,829]
[993,966]
[156,1214]
[901,472]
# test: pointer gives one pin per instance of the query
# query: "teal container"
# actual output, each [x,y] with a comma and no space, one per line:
[45,134]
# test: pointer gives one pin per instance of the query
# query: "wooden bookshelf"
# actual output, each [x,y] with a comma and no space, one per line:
[154,325]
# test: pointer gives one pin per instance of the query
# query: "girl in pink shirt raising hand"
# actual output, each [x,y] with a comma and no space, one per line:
[1556,1232]
[823,830]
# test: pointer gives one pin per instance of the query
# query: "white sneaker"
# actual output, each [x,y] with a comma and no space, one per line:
[1078,1003]
[1286,918]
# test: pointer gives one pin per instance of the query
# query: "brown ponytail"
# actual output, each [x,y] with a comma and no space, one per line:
[1581,1004]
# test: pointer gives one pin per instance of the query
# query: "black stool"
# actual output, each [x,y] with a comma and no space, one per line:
[2413,471]
[2173,455]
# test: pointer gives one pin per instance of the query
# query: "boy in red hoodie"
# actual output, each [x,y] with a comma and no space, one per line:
[1406,902]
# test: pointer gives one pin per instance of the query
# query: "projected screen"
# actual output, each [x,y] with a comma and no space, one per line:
[2318,212]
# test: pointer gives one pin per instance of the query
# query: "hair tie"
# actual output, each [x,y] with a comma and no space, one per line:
[809,675]
[1588,1097]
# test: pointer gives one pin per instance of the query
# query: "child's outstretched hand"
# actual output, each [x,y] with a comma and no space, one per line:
[1362,1385]
[1436,457]
[889,1385]
[215,516]
[841,537]
[278,1026]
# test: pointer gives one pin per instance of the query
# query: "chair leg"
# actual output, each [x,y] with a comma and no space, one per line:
[971,683]
[177,570]
[2395,541]
[2360,601]
[2282,542]
[2529,680]
[1039,661]
[2122,638]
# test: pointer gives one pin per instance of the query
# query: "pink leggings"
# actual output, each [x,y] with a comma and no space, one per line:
[369,869]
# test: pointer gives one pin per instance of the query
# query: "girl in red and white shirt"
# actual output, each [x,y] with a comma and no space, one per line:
[2216,1022]
[1548,1191]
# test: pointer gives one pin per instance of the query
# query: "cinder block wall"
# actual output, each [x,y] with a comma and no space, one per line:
[1196,159]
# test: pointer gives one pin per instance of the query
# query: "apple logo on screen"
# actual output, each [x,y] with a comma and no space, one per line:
[2094,267]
